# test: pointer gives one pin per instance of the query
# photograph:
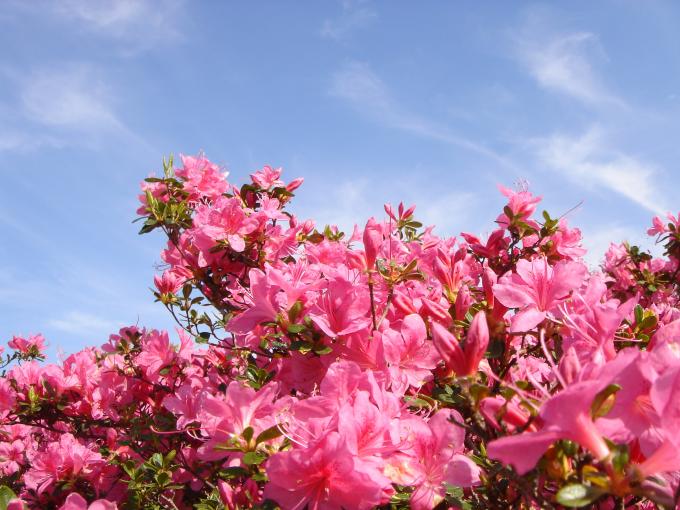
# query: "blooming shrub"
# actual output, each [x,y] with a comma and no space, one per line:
[386,367]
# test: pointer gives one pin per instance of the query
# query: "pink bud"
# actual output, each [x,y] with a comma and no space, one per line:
[463,302]
[570,366]
[449,349]
[356,260]
[495,409]
[435,310]
[390,212]
[372,242]
[404,303]
[294,184]
[489,278]
[476,343]
[408,212]
[442,270]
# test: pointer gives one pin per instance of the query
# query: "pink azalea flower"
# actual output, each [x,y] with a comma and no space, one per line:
[202,178]
[224,419]
[186,402]
[438,460]
[7,398]
[32,344]
[409,354]
[566,415]
[321,477]
[12,457]
[458,360]
[268,177]
[157,353]
[521,203]
[242,496]
[75,501]
[342,309]
[169,282]
[537,288]
[65,460]
[493,245]
[266,298]
[222,220]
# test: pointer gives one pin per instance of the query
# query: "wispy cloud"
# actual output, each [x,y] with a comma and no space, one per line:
[62,105]
[598,239]
[135,24]
[356,14]
[357,84]
[564,63]
[71,96]
[83,323]
[590,161]
[352,201]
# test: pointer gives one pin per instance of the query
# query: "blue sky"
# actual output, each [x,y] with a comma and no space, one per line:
[369,101]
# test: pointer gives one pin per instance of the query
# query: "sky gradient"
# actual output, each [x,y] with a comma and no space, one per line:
[370,102]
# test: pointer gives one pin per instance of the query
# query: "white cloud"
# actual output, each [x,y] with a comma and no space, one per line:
[564,64]
[597,241]
[357,84]
[69,104]
[588,160]
[71,96]
[76,322]
[356,14]
[351,202]
[136,24]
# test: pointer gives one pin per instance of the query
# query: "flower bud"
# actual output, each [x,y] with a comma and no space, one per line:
[403,303]
[463,302]
[476,343]
[489,278]
[570,366]
[497,409]
[294,184]
[372,242]
[449,349]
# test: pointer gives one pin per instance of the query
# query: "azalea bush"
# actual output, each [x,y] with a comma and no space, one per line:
[384,367]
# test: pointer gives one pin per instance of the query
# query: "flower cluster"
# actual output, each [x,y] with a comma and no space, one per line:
[386,368]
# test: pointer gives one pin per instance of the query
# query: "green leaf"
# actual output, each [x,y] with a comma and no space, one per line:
[296,328]
[162,478]
[577,495]
[248,434]
[295,311]
[6,495]
[604,401]
[253,458]
[638,314]
[322,349]
[268,434]
[648,322]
